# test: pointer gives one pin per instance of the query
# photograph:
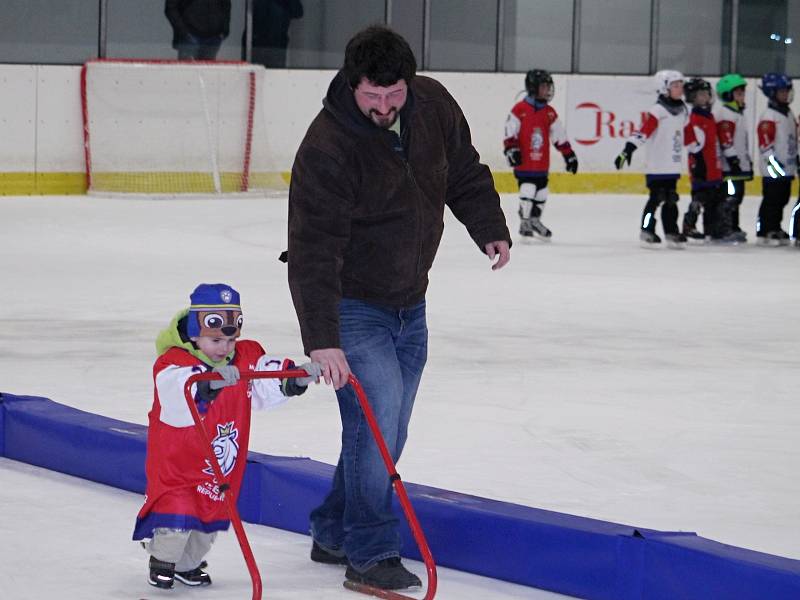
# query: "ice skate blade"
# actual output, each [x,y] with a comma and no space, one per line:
[649,245]
[767,243]
[368,590]
[533,240]
[676,245]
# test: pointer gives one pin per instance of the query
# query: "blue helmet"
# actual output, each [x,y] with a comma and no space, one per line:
[772,82]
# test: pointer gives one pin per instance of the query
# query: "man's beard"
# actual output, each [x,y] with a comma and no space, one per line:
[381,120]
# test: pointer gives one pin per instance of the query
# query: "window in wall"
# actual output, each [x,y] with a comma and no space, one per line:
[463,35]
[407,19]
[537,34]
[766,37]
[793,33]
[318,39]
[48,31]
[614,36]
[141,30]
[690,36]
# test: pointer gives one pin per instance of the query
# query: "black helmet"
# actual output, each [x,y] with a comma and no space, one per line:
[694,85]
[534,78]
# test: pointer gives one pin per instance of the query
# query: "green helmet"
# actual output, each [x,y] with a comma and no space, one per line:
[727,84]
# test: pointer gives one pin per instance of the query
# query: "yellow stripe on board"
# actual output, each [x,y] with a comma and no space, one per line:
[23,184]
[42,184]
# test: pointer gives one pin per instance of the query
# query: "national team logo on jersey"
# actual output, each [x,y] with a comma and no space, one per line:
[537,139]
[226,449]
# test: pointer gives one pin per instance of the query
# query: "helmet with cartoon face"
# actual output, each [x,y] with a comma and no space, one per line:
[215,311]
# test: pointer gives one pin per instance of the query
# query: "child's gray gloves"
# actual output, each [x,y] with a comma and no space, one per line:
[314,371]
[230,376]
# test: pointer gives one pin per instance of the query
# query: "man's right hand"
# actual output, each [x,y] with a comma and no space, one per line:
[335,369]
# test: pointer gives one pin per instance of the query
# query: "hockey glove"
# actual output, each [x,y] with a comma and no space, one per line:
[314,371]
[513,156]
[230,376]
[625,155]
[698,167]
[572,162]
[734,166]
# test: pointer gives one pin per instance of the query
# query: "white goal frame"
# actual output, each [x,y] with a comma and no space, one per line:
[220,121]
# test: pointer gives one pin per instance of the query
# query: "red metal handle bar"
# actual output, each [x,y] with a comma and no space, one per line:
[399,488]
[411,516]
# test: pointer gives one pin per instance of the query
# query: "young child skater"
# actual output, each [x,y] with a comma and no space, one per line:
[183,508]
[777,146]
[662,132]
[705,168]
[530,127]
[734,140]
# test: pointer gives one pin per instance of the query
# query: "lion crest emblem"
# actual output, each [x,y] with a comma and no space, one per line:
[226,448]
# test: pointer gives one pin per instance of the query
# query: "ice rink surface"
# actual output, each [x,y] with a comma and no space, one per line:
[655,388]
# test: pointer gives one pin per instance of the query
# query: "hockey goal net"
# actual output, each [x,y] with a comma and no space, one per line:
[169,128]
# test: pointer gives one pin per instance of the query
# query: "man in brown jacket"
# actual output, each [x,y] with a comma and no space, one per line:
[369,185]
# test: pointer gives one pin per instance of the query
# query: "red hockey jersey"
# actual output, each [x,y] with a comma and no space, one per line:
[531,127]
[701,137]
[182,492]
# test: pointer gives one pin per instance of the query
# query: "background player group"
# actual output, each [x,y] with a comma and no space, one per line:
[716,138]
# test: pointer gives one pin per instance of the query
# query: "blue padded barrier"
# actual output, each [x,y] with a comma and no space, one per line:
[58,437]
[582,557]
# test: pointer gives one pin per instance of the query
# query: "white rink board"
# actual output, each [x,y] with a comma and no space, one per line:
[292,99]
[18,119]
[59,120]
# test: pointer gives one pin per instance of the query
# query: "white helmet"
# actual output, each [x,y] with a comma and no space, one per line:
[663,79]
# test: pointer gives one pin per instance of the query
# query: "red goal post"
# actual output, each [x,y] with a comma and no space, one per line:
[175,128]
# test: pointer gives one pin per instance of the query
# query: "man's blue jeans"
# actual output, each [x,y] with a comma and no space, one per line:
[386,350]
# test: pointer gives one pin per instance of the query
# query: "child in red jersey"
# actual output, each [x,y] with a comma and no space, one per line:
[705,168]
[183,508]
[530,127]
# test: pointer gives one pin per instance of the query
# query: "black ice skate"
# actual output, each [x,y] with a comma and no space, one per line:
[693,236]
[539,230]
[194,577]
[525,229]
[741,236]
[676,241]
[649,239]
[729,239]
[327,557]
[162,574]
[387,574]
[773,239]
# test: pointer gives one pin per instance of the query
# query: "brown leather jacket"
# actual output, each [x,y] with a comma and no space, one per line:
[366,209]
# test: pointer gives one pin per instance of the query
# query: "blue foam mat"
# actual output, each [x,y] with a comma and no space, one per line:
[586,558]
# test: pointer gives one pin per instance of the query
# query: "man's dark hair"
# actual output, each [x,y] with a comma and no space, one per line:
[379,54]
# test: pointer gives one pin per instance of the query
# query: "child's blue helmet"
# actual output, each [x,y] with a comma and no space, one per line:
[772,82]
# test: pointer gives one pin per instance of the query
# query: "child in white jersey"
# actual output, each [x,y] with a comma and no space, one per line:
[734,140]
[662,132]
[777,146]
